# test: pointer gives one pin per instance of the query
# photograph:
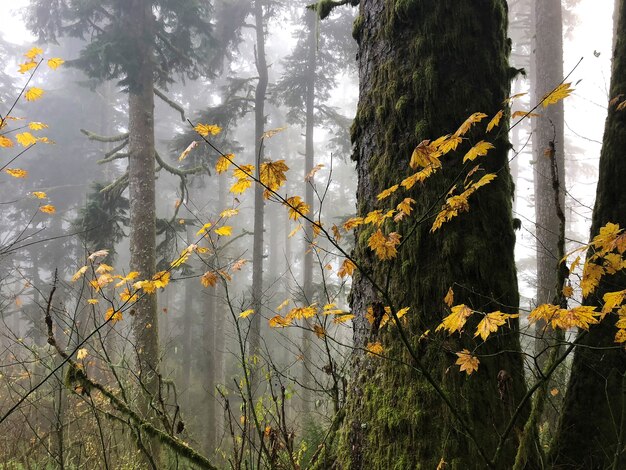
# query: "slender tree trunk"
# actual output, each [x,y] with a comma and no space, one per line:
[309,163]
[592,431]
[140,27]
[424,67]
[188,316]
[209,322]
[259,128]
[548,131]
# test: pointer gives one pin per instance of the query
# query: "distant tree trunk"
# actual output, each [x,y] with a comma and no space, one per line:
[309,163]
[592,431]
[140,27]
[208,405]
[424,67]
[259,128]
[188,316]
[548,130]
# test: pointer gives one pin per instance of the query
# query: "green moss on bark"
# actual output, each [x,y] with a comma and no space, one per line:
[425,67]
[592,431]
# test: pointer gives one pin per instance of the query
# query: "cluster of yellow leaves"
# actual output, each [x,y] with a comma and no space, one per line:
[386,317]
[456,204]
[561,318]
[306,312]
[384,246]
[459,315]
[605,257]
[243,175]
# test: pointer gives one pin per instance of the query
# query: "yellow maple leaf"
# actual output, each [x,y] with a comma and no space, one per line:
[81,354]
[309,176]
[272,175]
[490,323]
[467,362]
[37,126]
[246,313]
[208,279]
[374,349]
[92,301]
[297,207]
[425,155]
[495,121]
[456,320]
[34,52]
[294,231]
[25,67]
[469,122]
[283,304]
[79,273]
[352,223]
[227,213]
[204,229]
[104,268]
[613,300]
[319,331]
[522,114]
[26,139]
[279,322]
[620,336]
[478,150]
[384,246]
[189,148]
[5,142]
[33,94]
[55,62]
[206,129]
[591,278]
[225,231]
[224,162]
[113,315]
[272,132]
[161,279]
[48,209]
[560,92]
[346,269]
[449,298]
[568,291]
[387,192]
[486,179]
[450,144]
[17,172]
[127,296]
[343,317]
[298,313]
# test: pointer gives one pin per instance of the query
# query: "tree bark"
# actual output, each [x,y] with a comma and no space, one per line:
[592,430]
[259,129]
[140,26]
[424,67]
[548,128]
[309,163]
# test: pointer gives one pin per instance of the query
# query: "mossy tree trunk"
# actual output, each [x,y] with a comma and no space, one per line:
[592,431]
[424,67]
[140,24]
